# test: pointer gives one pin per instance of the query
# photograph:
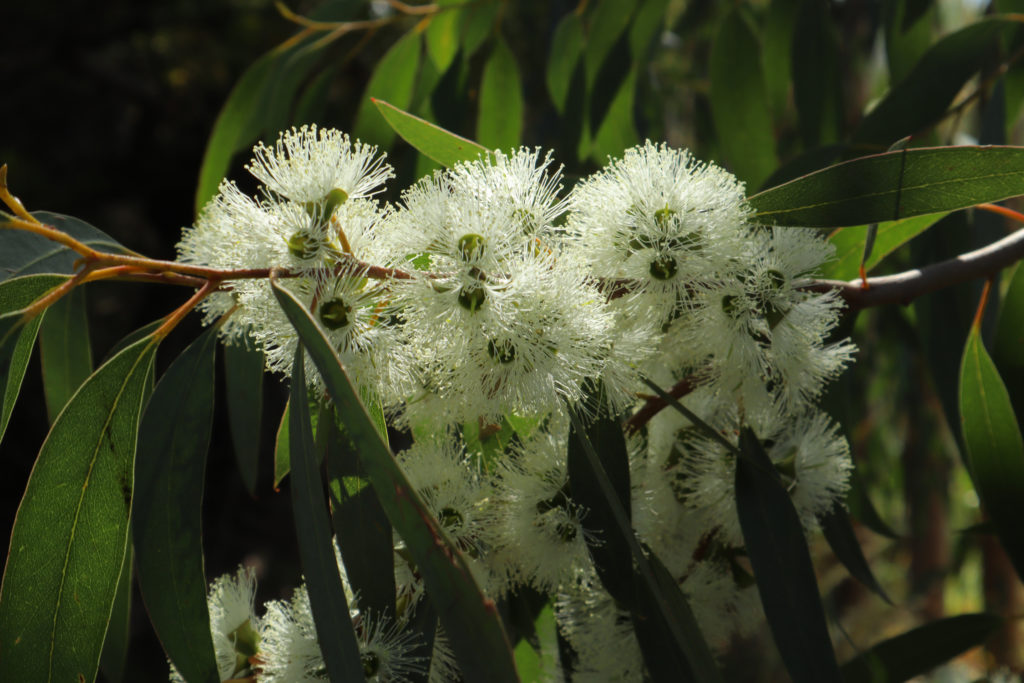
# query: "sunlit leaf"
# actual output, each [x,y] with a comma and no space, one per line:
[433,141]
[243,379]
[500,116]
[894,185]
[994,447]
[477,23]
[282,456]
[64,350]
[849,245]
[443,36]
[566,49]
[617,131]
[25,253]
[392,80]
[69,538]
[475,632]
[778,553]
[170,469]
[607,21]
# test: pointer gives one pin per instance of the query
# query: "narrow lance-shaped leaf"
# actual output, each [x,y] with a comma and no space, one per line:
[894,185]
[994,447]
[838,530]
[71,531]
[167,520]
[500,116]
[469,619]
[18,335]
[431,140]
[243,379]
[774,538]
[114,656]
[891,235]
[26,253]
[443,34]
[918,651]
[64,350]
[334,631]
[392,80]
[566,48]
[282,456]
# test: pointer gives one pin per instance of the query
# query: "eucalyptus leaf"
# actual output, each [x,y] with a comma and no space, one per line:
[243,379]
[431,140]
[64,350]
[393,80]
[26,253]
[849,245]
[500,116]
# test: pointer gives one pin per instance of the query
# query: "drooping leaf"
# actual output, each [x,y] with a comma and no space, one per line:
[1009,339]
[114,655]
[174,438]
[918,651]
[923,97]
[894,185]
[776,47]
[615,69]
[393,80]
[477,23]
[243,379]
[777,548]
[607,22]
[476,634]
[17,336]
[617,131]
[566,49]
[432,141]
[443,35]
[891,235]
[538,664]
[817,80]
[838,530]
[500,115]
[334,630]
[993,444]
[64,350]
[664,661]
[282,456]
[69,538]
[25,253]
[739,102]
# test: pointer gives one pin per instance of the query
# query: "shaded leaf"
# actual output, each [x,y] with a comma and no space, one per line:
[607,22]
[918,651]
[993,444]
[777,548]
[618,131]
[170,469]
[282,456]
[817,80]
[335,633]
[69,538]
[25,253]
[114,655]
[243,379]
[431,140]
[566,49]
[776,46]
[500,115]
[393,80]
[894,185]
[664,661]
[891,235]
[64,350]
[838,530]
[469,619]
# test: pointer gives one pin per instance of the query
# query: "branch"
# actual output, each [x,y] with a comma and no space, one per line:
[902,288]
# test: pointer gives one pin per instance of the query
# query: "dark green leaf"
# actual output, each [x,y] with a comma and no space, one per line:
[923,97]
[17,336]
[613,72]
[778,553]
[334,631]
[739,102]
[918,651]
[69,539]
[817,81]
[174,438]
[894,185]
[617,132]
[849,244]
[243,379]
[1009,338]
[25,253]
[500,116]
[114,656]
[443,36]
[392,80]
[776,45]
[566,48]
[476,634]
[863,510]
[994,447]
[64,350]
[282,457]
[663,659]
[432,141]
[607,22]
[838,530]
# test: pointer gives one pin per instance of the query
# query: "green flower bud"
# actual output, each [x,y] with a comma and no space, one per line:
[504,351]
[334,313]
[371,664]
[450,518]
[471,246]
[472,298]
[303,245]
[663,218]
[664,268]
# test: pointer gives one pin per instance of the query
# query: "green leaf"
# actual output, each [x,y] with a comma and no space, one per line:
[776,45]
[739,101]
[663,659]
[1009,337]
[393,80]
[894,185]
[838,531]
[500,116]
[923,97]
[114,655]
[566,49]
[918,651]
[849,245]
[472,625]
[69,538]
[443,35]
[64,350]
[994,447]
[617,131]
[243,379]
[170,469]
[431,140]
[18,336]
[607,22]
[774,538]
[817,80]
[25,253]
[540,664]
[477,23]
[282,456]
[334,630]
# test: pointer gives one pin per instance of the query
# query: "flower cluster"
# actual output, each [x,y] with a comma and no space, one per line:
[485,300]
